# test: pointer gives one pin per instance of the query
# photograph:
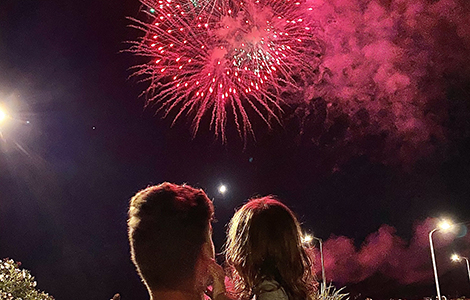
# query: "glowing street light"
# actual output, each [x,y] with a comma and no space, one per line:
[443,226]
[457,258]
[307,239]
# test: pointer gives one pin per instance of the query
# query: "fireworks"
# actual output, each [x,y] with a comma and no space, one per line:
[222,57]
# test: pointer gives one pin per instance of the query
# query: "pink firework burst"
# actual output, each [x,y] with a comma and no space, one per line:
[217,56]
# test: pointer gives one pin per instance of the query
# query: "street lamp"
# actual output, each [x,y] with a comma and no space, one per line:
[323,276]
[458,258]
[442,226]
[307,239]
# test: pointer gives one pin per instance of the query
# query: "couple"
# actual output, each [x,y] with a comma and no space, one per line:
[171,246]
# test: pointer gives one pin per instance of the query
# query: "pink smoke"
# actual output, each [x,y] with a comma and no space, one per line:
[386,253]
[386,65]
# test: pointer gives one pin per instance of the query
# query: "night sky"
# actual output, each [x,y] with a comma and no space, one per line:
[90,143]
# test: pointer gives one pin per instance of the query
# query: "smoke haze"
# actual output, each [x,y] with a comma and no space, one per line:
[395,69]
[385,252]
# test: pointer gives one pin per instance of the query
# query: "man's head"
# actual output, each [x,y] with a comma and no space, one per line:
[168,226]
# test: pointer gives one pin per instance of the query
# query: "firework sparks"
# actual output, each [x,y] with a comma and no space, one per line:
[222,57]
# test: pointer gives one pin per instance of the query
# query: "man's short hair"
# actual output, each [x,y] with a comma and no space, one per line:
[168,224]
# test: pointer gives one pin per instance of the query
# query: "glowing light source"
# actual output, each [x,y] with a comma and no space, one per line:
[222,189]
[445,225]
[455,257]
[3,116]
[307,239]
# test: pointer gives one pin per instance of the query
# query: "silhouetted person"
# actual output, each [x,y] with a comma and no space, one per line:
[265,253]
[171,246]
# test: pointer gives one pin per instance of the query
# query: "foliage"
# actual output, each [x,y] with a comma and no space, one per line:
[331,293]
[18,284]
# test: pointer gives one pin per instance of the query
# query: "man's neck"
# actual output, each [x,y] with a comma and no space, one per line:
[175,295]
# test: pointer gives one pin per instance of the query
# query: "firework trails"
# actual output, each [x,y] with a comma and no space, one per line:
[223,58]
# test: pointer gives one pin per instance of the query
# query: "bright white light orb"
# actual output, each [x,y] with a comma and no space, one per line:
[222,189]
[445,225]
[455,257]
[3,116]
[307,239]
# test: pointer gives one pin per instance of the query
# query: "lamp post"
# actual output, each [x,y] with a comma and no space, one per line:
[456,257]
[307,239]
[323,276]
[444,226]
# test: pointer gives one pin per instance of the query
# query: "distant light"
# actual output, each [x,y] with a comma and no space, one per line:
[455,257]
[3,116]
[152,10]
[307,239]
[222,189]
[445,225]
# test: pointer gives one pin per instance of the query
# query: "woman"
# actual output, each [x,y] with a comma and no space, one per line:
[265,253]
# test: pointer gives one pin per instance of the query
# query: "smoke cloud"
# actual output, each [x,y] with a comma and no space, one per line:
[386,253]
[388,68]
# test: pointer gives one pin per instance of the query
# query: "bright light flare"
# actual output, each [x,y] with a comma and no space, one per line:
[455,257]
[3,116]
[307,239]
[222,189]
[445,225]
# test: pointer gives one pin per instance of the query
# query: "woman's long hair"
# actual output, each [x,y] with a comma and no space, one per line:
[264,242]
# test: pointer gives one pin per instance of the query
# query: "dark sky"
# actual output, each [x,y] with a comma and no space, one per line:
[67,175]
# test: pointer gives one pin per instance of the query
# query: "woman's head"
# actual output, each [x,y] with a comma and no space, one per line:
[264,242]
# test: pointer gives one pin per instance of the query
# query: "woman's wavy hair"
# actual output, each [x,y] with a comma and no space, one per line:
[264,242]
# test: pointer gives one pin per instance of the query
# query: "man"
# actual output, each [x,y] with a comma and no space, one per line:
[171,246]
